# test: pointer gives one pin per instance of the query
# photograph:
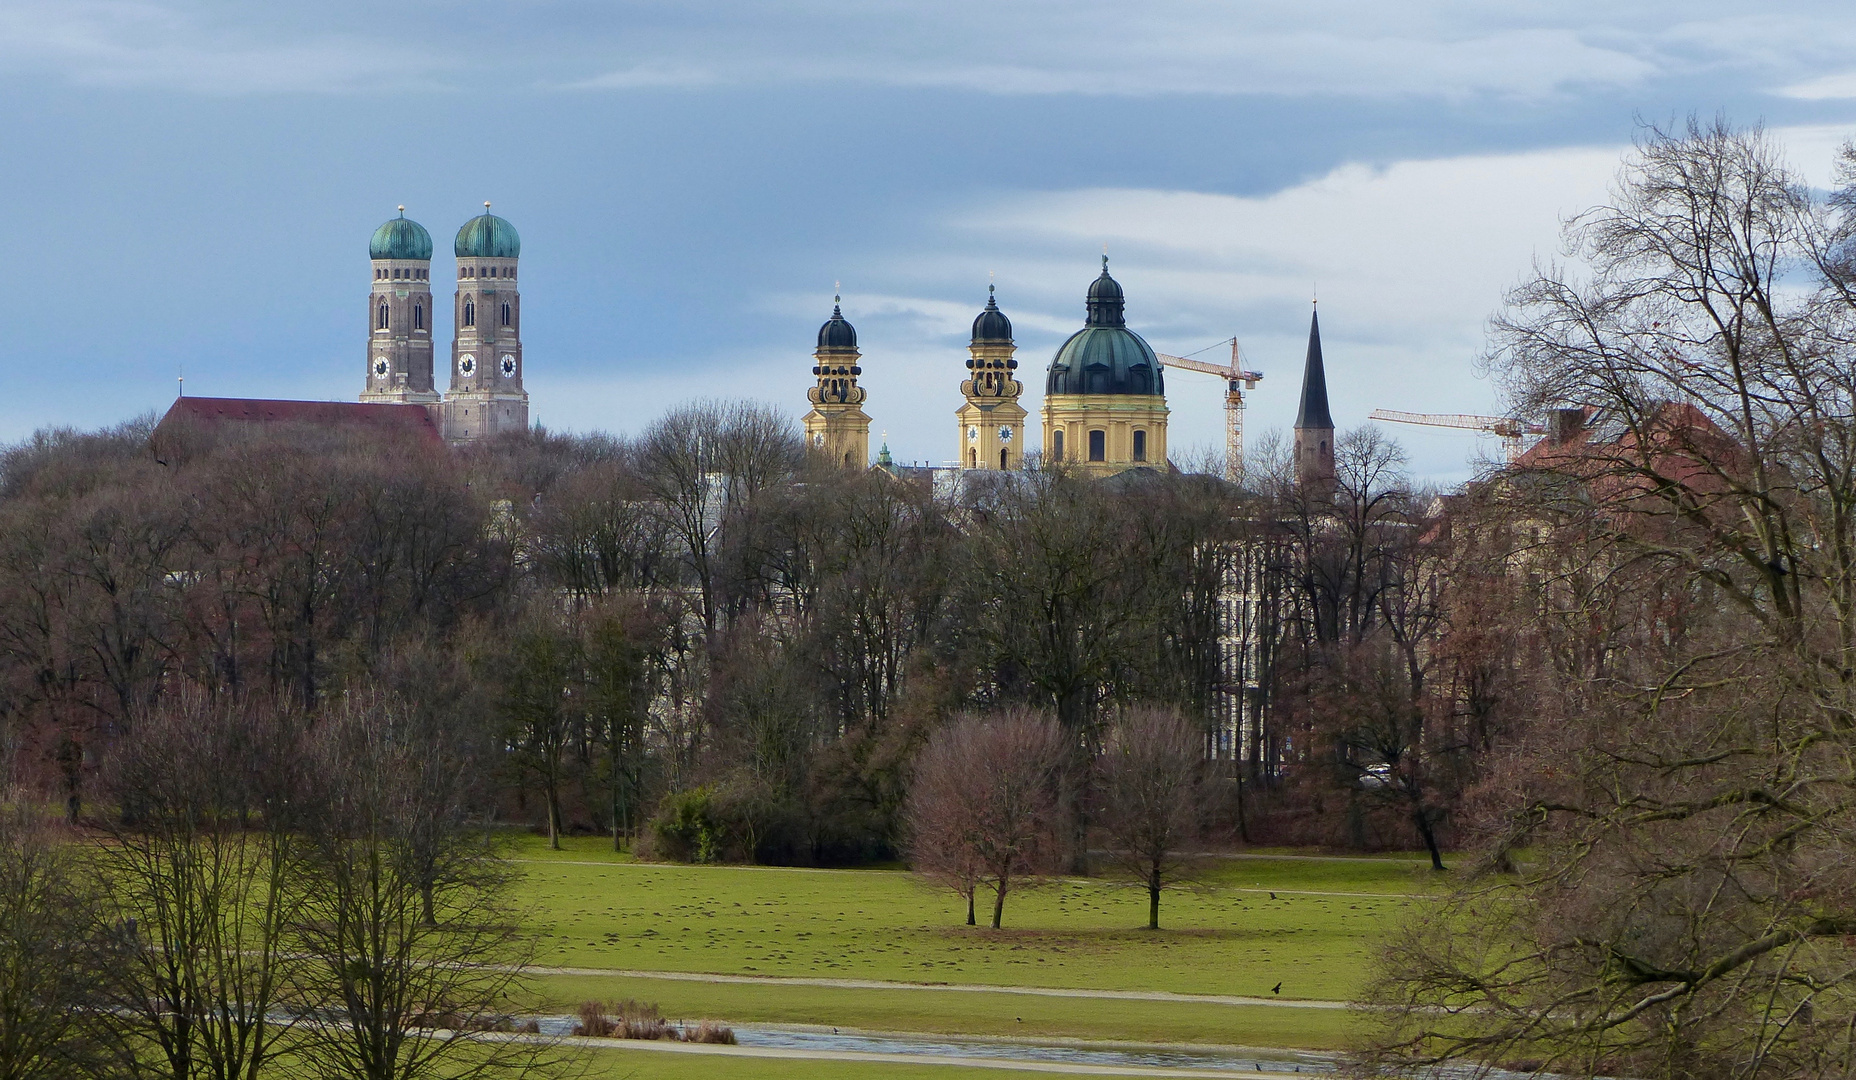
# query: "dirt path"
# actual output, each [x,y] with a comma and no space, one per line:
[920,1059]
[964,988]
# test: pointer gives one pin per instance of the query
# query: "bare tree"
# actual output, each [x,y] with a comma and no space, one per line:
[55,953]
[986,804]
[203,875]
[1683,797]
[406,930]
[1152,790]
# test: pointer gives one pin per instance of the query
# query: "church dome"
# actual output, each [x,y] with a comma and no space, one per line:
[400,239]
[1105,357]
[487,236]
[836,333]
[992,325]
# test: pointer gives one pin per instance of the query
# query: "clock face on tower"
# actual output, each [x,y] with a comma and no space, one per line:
[1005,434]
[509,366]
[818,438]
[467,365]
[381,367]
[973,434]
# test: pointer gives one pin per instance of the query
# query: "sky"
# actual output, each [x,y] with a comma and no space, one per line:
[191,184]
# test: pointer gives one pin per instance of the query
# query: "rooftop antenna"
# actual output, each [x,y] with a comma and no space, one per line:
[181,378]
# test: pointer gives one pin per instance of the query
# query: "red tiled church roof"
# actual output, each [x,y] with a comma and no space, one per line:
[408,419]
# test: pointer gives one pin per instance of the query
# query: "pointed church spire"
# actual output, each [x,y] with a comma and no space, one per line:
[1314,409]
[1314,425]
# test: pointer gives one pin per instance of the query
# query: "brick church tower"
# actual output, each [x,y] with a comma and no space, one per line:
[486,395]
[399,315]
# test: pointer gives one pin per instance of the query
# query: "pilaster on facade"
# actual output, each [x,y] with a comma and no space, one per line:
[1103,434]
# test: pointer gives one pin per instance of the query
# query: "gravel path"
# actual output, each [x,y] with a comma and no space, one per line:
[921,1059]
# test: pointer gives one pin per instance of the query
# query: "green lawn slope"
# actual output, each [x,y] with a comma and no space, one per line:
[1315,937]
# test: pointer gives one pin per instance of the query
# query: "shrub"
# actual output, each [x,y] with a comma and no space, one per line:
[687,828]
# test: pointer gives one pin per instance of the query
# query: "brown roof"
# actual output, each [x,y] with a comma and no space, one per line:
[409,419]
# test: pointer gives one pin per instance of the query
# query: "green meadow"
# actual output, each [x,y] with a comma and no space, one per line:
[1315,938]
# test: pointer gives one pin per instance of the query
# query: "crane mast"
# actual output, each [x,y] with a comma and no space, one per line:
[1237,380]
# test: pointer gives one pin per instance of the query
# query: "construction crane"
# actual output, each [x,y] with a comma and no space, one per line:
[1236,381]
[1510,431]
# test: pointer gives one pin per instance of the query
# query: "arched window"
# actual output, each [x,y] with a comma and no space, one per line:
[1098,445]
[1002,459]
[1140,446]
[470,313]
[418,316]
[380,318]
[1056,445]
[973,459]
[505,313]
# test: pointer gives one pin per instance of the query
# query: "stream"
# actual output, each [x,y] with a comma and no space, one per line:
[826,1040]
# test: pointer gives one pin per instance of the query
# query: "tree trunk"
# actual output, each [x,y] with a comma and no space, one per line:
[1153,899]
[554,815]
[970,896]
[1425,830]
[998,904]
[1243,819]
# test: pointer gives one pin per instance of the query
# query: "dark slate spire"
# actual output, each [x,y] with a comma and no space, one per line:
[1314,411]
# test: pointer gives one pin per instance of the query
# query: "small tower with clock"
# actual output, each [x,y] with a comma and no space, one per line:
[486,395]
[837,427]
[992,422]
[399,315]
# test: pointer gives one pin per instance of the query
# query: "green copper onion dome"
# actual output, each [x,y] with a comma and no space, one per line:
[487,236]
[1105,357]
[400,239]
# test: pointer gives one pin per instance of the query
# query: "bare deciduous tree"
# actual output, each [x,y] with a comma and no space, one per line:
[55,952]
[985,807]
[1152,791]
[1682,808]
[406,931]
[203,878]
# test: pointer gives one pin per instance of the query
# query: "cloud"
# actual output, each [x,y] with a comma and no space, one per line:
[1838,87]
[649,75]
[1410,260]
[134,43]
[1449,49]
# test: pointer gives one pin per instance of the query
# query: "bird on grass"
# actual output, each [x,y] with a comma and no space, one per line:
[1272,896]
[1277,989]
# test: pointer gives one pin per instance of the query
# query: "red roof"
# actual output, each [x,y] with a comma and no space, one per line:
[409,419]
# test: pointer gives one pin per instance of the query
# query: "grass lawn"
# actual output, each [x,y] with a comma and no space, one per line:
[601,911]
[597,909]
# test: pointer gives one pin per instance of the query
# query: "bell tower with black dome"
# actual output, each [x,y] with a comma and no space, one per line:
[399,315]
[486,395]
[992,422]
[837,427]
